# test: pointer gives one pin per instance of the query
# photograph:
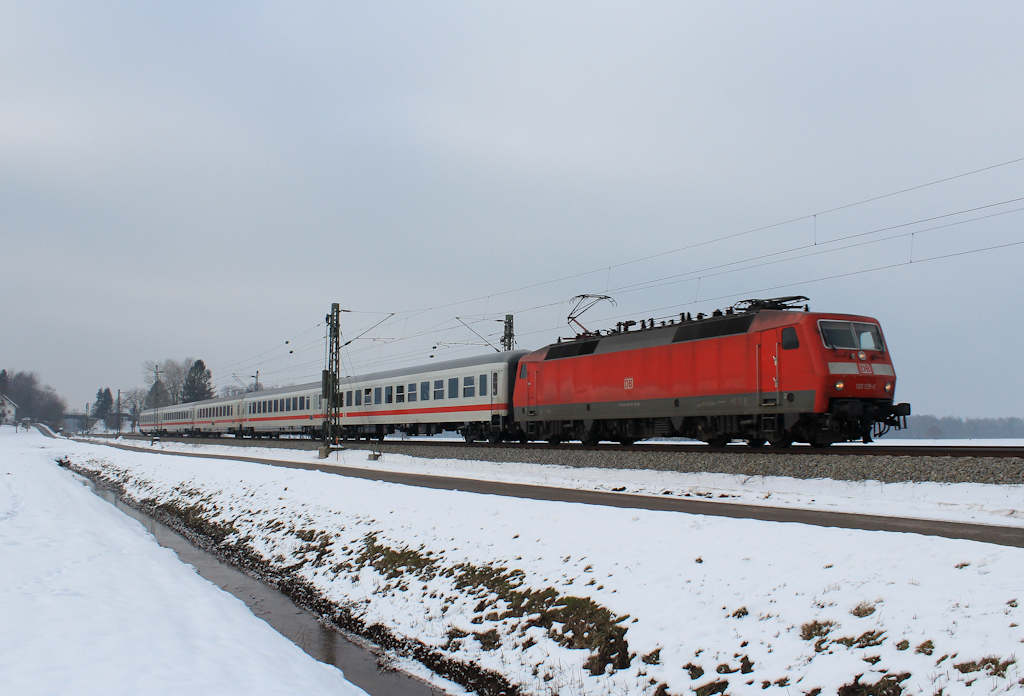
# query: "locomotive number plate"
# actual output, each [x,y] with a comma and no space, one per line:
[627,383]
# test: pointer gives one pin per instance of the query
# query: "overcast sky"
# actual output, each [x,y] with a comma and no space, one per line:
[205,179]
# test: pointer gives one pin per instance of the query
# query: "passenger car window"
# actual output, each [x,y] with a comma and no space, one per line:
[359,397]
[453,388]
[789,338]
[438,389]
[494,384]
[400,394]
[412,393]
[388,398]
[348,398]
[424,391]
[468,387]
[376,395]
[483,385]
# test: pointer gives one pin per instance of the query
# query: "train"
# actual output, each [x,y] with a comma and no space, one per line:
[763,371]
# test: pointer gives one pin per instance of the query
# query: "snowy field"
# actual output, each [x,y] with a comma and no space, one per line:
[959,502]
[574,599]
[90,604]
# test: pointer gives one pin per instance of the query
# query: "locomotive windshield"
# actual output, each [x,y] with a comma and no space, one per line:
[851,335]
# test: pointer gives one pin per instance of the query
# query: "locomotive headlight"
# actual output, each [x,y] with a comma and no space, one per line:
[839,385]
[862,355]
[888,387]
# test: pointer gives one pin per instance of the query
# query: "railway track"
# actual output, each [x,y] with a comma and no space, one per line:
[837,450]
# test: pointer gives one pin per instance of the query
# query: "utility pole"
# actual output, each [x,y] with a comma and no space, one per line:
[329,386]
[119,413]
[508,339]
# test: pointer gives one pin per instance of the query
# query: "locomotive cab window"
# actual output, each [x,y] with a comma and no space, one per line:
[789,338]
[851,335]
[522,371]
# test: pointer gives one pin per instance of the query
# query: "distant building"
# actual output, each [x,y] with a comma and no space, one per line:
[8,411]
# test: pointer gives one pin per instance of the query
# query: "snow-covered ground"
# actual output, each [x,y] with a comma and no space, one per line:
[960,502]
[576,599]
[91,604]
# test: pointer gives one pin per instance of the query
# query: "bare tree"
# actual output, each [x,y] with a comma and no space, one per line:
[232,390]
[35,401]
[134,400]
[172,375]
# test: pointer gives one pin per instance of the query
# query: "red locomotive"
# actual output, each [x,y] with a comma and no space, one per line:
[761,371]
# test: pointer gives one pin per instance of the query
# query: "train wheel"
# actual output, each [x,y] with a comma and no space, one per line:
[494,438]
[781,444]
[627,442]
[718,441]
[755,442]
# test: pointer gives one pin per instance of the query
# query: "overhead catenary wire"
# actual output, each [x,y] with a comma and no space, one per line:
[448,323]
[728,237]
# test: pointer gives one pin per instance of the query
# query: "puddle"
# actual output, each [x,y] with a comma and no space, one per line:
[359,664]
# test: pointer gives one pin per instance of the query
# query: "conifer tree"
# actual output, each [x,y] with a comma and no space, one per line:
[158,396]
[197,383]
[104,403]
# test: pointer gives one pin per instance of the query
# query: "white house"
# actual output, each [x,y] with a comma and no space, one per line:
[8,411]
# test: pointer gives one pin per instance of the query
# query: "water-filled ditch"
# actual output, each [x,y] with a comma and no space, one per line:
[360,665]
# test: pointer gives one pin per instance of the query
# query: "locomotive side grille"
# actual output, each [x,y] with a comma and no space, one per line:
[571,350]
[713,328]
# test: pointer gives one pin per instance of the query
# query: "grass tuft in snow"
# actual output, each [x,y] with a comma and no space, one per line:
[889,685]
[715,687]
[863,609]
[991,666]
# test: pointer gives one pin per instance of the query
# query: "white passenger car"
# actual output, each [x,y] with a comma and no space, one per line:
[471,395]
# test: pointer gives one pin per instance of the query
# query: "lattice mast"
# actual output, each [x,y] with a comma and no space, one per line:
[331,377]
